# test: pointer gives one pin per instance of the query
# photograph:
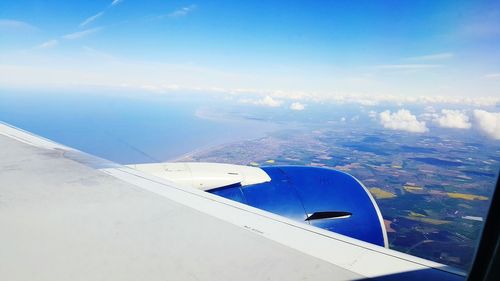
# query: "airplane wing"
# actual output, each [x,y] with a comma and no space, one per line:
[67,215]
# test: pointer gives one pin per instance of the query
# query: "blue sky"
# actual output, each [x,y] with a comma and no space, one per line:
[294,48]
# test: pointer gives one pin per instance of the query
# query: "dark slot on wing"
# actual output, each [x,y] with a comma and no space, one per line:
[328,215]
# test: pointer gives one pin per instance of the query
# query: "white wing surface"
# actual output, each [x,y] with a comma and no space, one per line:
[67,215]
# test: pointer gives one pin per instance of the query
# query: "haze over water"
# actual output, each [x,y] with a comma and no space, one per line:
[126,129]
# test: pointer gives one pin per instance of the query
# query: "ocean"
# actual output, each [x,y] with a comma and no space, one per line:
[126,128]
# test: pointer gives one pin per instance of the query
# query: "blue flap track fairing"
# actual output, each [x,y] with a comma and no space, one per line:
[326,198]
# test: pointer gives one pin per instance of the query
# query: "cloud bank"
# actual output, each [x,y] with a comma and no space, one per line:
[488,123]
[452,119]
[402,120]
[265,101]
[269,101]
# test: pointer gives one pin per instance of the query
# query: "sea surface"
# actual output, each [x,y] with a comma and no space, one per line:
[135,128]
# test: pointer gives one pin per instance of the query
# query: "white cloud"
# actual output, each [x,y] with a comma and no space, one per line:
[371,100]
[297,106]
[16,25]
[402,120]
[98,15]
[91,19]
[343,119]
[488,122]
[182,11]
[81,34]
[47,45]
[269,101]
[265,101]
[116,2]
[492,76]
[440,56]
[407,66]
[452,119]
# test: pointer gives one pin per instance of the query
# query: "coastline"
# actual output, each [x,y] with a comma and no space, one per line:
[204,149]
[264,129]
